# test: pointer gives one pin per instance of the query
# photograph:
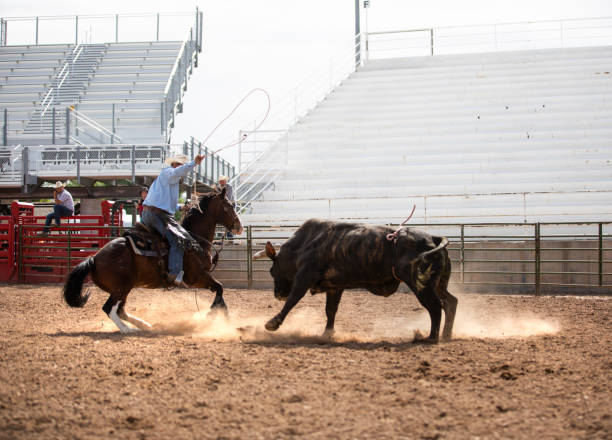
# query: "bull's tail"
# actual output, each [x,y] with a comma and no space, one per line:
[443,243]
[74,284]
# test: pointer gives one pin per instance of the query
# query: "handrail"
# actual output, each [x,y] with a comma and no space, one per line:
[254,197]
[44,107]
[493,37]
[509,23]
[174,86]
[175,67]
[95,125]
[76,57]
[68,68]
[10,155]
[151,26]
[62,76]
[261,153]
[296,104]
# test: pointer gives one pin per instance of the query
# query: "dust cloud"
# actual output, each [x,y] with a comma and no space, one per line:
[477,317]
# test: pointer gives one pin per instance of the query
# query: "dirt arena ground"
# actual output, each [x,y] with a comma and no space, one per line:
[518,367]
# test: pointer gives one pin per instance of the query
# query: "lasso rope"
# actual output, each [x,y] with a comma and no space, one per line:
[244,136]
[393,236]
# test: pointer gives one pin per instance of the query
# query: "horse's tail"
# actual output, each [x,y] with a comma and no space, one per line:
[74,284]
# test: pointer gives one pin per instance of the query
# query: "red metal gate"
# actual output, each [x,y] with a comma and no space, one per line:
[26,256]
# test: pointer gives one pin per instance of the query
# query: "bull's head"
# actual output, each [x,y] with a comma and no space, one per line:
[282,270]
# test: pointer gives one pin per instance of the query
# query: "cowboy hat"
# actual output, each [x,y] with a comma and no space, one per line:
[223,178]
[59,184]
[179,158]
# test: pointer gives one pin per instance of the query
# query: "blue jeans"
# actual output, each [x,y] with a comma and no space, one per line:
[175,254]
[59,211]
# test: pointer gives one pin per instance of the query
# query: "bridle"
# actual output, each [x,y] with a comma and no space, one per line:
[200,239]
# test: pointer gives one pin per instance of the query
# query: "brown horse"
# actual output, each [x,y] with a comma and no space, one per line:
[116,269]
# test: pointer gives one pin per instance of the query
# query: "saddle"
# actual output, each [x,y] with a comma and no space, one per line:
[149,243]
[146,242]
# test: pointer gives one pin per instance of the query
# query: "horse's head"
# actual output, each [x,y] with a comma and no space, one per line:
[221,210]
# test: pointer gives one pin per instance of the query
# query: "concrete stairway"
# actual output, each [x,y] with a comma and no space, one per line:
[504,137]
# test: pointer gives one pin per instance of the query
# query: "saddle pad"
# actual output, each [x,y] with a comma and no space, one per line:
[140,249]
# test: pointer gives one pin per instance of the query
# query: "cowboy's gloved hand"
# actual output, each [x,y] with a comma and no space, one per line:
[198,159]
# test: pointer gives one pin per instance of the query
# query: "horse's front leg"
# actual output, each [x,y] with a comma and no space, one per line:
[198,276]
[218,304]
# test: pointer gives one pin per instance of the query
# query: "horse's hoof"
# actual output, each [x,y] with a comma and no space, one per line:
[220,309]
[273,324]
[129,330]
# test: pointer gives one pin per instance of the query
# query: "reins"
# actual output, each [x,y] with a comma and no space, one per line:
[212,246]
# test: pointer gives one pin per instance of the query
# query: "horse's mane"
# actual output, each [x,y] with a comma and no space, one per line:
[203,202]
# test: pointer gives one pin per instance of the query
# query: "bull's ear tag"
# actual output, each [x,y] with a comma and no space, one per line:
[270,251]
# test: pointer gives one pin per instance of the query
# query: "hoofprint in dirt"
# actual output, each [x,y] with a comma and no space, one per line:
[517,367]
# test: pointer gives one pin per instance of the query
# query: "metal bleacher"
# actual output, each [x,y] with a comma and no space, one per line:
[516,136]
[26,74]
[132,78]
[91,110]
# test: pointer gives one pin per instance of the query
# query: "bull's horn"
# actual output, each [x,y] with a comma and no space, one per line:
[259,255]
[443,243]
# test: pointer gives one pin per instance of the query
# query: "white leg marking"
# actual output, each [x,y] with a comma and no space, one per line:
[140,323]
[118,322]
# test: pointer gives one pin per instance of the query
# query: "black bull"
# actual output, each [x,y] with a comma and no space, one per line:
[327,256]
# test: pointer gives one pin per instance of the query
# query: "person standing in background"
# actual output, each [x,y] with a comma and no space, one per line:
[143,196]
[229,195]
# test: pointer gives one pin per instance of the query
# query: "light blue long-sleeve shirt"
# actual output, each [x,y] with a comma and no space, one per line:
[164,191]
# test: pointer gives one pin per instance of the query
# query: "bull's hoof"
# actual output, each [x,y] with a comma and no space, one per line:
[419,339]
[273,324]
[328,333]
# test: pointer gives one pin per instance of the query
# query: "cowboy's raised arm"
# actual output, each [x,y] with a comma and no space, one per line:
[175,174]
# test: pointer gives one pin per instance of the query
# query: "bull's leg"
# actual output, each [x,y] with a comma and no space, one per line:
[448,301]
[430,301]
[422,277]
[449,304]
[332,300]
[301,284]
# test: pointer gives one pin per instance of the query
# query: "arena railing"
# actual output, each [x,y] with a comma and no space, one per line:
[95,161]
[534,258]
[543,34]
[99,28]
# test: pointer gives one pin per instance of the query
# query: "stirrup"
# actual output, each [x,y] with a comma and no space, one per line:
[178,280]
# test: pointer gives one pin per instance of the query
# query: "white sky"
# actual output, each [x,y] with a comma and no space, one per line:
[273,44]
